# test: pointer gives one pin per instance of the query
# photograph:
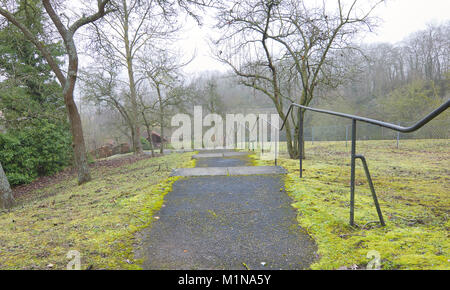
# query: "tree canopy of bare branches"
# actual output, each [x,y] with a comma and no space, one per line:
[261,38]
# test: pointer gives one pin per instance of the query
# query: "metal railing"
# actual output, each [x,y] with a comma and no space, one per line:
[243,125]
[354,156]
[276,140]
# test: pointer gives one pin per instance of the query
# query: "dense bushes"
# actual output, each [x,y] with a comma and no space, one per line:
[41,149]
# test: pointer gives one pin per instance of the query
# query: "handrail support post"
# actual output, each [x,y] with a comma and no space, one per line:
[352,174]
[276,150]
[300,140]
[372,188]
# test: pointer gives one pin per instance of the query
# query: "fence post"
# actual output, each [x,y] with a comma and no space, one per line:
[262,137]
[300,140]
[398,136]
[246,141]
[352,174]
[312,135]
[276,148]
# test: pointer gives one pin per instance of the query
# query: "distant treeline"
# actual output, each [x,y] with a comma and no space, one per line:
[394,82]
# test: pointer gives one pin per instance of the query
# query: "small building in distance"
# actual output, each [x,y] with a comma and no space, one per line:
[156,139]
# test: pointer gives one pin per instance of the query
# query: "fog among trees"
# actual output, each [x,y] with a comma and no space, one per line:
[277,52]
[390,82]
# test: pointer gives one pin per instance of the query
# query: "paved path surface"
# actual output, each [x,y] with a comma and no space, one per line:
[228,171]
[221,161]
[223,154]
[227,222]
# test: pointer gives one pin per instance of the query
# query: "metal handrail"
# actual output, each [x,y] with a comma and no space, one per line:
[354,156]
[395,127]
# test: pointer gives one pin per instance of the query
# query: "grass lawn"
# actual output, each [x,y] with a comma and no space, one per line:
[412,184]
[97,219]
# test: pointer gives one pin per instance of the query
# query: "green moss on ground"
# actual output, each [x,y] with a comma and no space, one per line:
[412,186]
[98,219]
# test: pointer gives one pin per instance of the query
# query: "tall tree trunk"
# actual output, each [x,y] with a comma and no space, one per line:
[161,116]
[292,150]
[133,94]
[137,140]
[79,147]
[161,150]
[6,197]
[68,83]
[149,133]
[134,111]
[133,138]
[297,133]
[276,90]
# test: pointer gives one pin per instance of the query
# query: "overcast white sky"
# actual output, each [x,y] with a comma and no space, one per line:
[399,18]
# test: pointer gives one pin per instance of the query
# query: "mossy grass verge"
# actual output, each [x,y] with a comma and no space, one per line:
[98,219]
[412,186]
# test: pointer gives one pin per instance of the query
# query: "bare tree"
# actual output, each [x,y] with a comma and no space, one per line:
[246,48]
[427,54]
[123,34]
[308,36]
[133,25]
[103,88]
[67,80]
[162,72]
[102,123]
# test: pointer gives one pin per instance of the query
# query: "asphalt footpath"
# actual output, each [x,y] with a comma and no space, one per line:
[227,221]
